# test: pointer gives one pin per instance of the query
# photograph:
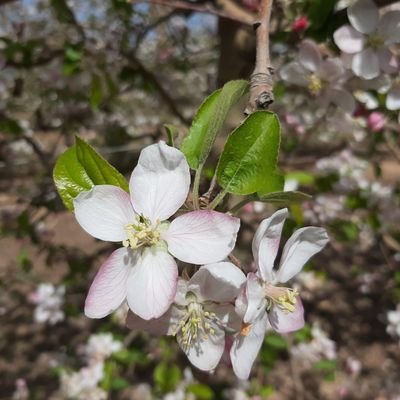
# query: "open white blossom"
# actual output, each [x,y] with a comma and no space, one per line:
[265,301]
[144,270]
[393,327]
[202,312]
[368,37]
[101,346]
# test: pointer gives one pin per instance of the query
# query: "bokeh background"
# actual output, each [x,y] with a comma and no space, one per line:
[114,72]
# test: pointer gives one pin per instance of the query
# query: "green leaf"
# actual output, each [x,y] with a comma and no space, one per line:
[284,198]
[274,184]
[10,126]
[79,168]
[209,120]
[276,341]
[96,91]
[201,392]
[166,377]
[172,133]
[248,161]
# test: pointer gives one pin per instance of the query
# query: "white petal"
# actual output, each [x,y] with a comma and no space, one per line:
[294,74]
[157,327]
[219,282]
[366,64]
[387,61]
[393,99]
[301,246]
[108,289]
[152,283]
[309,55]
[331,69]
[104,211]
[256,302]
[265,244]
[207,354]
[284,322]
[227,316]
[348,39]
[343,99]
[389,27]
[202,237]
[245,348]
[160,182]
[363,15]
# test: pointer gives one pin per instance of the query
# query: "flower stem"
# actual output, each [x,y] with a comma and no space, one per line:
[217,200]
[240,204]
[196,185]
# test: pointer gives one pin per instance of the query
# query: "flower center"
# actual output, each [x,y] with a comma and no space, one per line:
[141,233]
[285,298]
[314,84]
[374,41]
[195,326]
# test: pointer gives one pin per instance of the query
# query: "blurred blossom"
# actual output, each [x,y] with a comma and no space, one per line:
[101,346]
[120,314]
[300,24]
[393,326]
[368,38]
[252,5]
[49,300]
[307,280]
[376,121]
[322,77]
[291,184]
[21,390]
[83,384]
[319,348]
[353,365]
[324,208]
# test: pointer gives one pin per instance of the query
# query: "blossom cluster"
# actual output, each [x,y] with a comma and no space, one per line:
[219,306]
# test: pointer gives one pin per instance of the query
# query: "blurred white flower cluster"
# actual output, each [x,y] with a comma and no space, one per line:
[83,384]
[321,347]
[393,327]
[49,300]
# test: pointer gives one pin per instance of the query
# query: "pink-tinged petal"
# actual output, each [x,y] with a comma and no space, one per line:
[202,237]
[302,245]
[219,282]
[245,348]
[363,15]
[389,27]
[366,64]
[108,289]
[294,73]
[348,39]
[152,283]
[227,316]
[160,182]
[265,244]
[206,353]
[331,69]
[393,99]
[156,327]
[256,302]
[309,55]
[285,322]
[343,99]
[388,62]
[104,211]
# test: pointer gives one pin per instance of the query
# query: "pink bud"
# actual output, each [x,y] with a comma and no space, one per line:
[251,5]
[300,24]
[376,121]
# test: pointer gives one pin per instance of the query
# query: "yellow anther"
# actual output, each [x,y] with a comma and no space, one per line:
[314,85]
[141,233]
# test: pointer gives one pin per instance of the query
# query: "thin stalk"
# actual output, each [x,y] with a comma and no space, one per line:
[240,204]
[217,200]
[196,186]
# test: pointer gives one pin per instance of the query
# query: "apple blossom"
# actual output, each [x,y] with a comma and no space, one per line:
[376,121]
[144,271]
[367,39]
[201,313]
[263,302]
[322,78]
[393,327]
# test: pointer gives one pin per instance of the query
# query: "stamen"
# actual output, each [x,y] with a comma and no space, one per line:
[315,85]
[283,297]
[142,233]
[245,330]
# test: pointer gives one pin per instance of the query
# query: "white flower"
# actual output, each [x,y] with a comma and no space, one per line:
[319,348]
[322,78]
[101,346]
[144,271]
[368,38]
[263,302]
[393,327]
[49,300]
[201,313]
[82,385]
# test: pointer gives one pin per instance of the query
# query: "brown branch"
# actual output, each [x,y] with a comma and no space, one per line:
[197,8]
[261,83]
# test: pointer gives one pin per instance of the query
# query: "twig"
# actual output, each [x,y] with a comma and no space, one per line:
[261,82]
[197,8]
